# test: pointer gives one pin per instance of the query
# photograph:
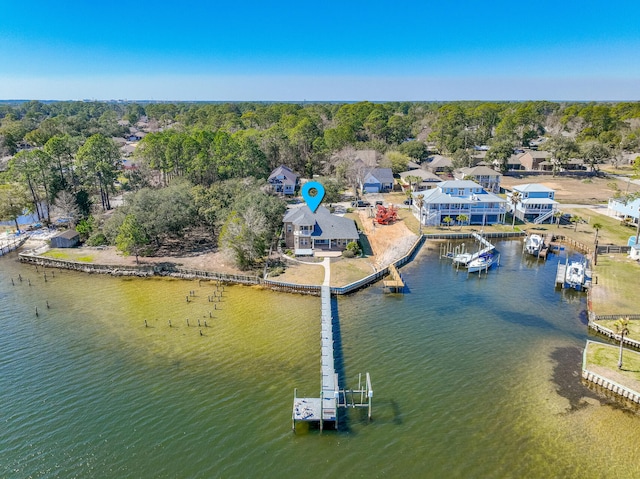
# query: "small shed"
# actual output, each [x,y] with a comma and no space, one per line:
[65,239]
[634,252]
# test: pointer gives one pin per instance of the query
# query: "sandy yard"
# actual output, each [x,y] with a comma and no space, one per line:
[573,190]
[388,242]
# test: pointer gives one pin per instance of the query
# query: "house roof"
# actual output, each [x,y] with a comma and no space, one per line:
[382,175]
[437,196]
[325,225]
[412,165]
[67,234]
[439,161]
[423,174]
[368,157]
[533,188]
[479,171]
[289,176]
[514,160]
[459,184]
[539,201]
[301,216]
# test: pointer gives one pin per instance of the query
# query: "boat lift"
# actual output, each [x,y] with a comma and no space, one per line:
[460,257]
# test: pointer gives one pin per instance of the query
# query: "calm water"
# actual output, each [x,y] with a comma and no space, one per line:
[465,373]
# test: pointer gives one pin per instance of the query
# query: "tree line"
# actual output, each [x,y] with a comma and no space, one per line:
[63,154]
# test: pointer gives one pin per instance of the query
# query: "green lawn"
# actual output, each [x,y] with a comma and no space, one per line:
[603,360]
[634,326]
[617,285]
[68,255]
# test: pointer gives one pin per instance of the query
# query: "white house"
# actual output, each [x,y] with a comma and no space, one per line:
[536,205]
[459,197]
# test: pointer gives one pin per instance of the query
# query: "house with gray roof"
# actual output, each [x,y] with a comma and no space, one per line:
[377,180]
[439,164]
[306,232]
[459,198]
[283,180]
[65,239]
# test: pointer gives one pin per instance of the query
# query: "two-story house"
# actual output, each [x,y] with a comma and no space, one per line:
[483,175]
[306,232]
[283,180]
[536,205]
[457,198]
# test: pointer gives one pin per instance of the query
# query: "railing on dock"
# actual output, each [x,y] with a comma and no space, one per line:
[324,409]
[12,245]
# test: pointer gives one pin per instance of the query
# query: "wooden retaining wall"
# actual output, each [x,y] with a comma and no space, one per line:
[608,384]
[583,248]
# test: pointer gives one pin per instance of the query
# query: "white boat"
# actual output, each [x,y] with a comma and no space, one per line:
[482,263]
[462,258]
[533,244]
[574,275]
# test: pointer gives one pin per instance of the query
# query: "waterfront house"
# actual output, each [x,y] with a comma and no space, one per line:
[377,180]
[65,239]
[459,197]
[306,232]
[537,204]
[483,175]
[283,180]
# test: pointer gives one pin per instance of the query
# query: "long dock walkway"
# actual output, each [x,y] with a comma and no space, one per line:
[325,408]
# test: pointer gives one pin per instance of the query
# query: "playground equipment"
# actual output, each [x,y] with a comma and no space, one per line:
[385,215]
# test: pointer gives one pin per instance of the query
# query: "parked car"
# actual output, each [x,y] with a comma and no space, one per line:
[379,203]
[360,203]
[408,202]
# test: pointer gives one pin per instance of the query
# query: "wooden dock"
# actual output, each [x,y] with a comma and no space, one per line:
[546,245]
[561,273]
[323,410]
[395,284]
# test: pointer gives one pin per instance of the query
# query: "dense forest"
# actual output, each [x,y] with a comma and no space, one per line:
[203,166]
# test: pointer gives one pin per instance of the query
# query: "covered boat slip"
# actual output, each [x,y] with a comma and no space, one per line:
[324,409]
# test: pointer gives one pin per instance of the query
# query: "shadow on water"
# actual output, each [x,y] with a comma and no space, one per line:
[338,362]
[567,378]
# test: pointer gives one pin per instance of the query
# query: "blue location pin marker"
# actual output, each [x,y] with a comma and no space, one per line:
[313,201]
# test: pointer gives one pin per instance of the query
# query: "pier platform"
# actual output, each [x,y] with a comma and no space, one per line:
[323,410]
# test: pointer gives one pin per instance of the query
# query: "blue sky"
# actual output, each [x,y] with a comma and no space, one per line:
[331,50]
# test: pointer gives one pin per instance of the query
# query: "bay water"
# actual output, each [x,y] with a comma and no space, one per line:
[472,377]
